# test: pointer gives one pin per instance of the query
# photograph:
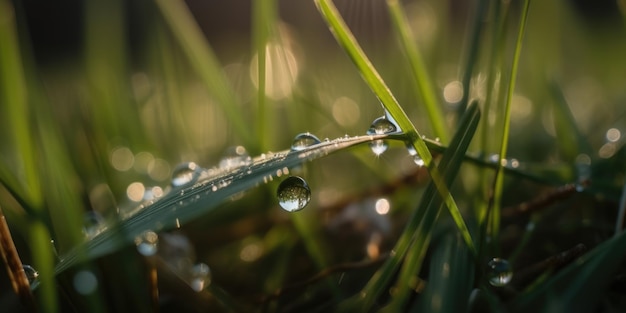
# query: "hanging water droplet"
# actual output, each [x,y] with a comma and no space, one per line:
[293,194]
[499,272]
[200,277]
[31,273]
[416,157]
[380,126]
[185,173]
[235,157]
[147,243]
[303,140]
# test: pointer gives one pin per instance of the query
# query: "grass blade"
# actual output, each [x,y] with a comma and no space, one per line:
[418,231]
[451,277]
[499,179]
[418,66]
[184,204]
[202,58]
[472,54]
[392,107]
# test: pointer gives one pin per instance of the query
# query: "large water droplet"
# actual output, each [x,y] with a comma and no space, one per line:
[499,272]
[235,157]
[303,140]
[185,173]
[31,273]
[200,277]
[85,282]
[147,243]
[293,194]
[380,126]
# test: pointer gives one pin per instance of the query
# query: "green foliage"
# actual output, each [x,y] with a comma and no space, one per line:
[94,136]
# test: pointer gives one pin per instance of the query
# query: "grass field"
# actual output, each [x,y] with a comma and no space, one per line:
[146,149]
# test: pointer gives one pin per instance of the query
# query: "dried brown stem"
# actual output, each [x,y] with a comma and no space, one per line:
[554,262]
[539,202]
[14,265]
[343,267]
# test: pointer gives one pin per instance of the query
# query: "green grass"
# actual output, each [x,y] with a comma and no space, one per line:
[155,83]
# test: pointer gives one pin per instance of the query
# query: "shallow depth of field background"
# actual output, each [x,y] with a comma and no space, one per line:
[125,103]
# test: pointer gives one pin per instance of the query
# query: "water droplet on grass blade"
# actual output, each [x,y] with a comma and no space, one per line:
[93,224]
[200,277]
[380,126]
[31,273]
[147,243]
[293,194]
[416,157]
[303,140]
[499,272]
[185,173]
[235,157]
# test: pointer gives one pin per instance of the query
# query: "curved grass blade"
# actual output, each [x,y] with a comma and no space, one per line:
[499,179]
[420,226]
[347,41]
[580,286]
[202,58]
[424,83]
[183,204]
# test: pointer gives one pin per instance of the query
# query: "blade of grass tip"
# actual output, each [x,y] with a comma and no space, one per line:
[191,39]
[263,23]
[580,286]
[472,54]
[347,41]
[420,227]
[420,74]
[499,179]
[571,141]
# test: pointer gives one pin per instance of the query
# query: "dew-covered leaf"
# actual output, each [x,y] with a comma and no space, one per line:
[201,195]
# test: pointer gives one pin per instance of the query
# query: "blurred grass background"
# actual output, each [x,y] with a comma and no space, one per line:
[100,100]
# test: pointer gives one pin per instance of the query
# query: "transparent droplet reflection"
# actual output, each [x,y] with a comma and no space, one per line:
[93,224]
[499,272]
[303,140]
[31,273]
[380,126]
[185,173]
[85,282]
[293,194]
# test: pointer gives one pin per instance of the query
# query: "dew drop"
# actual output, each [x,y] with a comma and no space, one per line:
[293,194]
[304,140]
[31,273]
[499,272]
[93,224]
[380,126]
[416,157]
[185,173]
[200,277]
[147,243]
[235,157]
